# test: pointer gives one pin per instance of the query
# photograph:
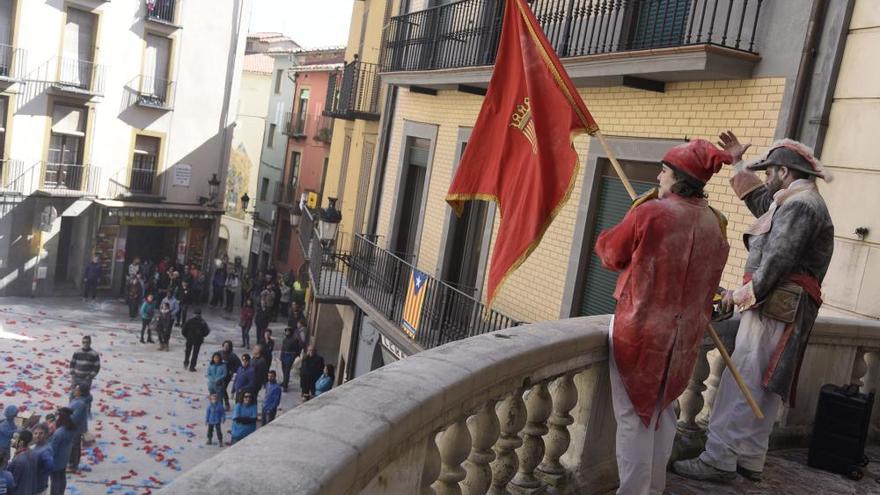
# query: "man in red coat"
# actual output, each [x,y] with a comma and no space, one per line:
[670,253]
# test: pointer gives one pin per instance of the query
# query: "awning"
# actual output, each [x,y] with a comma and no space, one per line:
[77,208]
[168,210]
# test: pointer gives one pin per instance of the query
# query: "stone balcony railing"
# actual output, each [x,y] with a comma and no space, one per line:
[511,411]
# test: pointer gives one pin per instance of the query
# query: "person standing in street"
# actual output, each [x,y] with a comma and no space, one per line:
[61,442]
[218,284]
[261,368]
[325,382]
[247,287]
[790,246]
[214,418]
[134,294]
[216,374]
[163,323]
[7,431]
[244,417]
[670,253]
[312,367]
[79,406]
[91,278]
[24,465]
[246,320]
[290,349]
[173,304]
[147,311]
[261,321]
[272,399]
[186,298]
[284,296]
[245,379]
[232,285]
[194,331]
[233,363]
[45,458]
[85,364]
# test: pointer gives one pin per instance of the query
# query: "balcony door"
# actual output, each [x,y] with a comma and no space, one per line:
[156,57]
[79,47]
[409,206]
[301,112]
[64,167]
[659,23]
[6,24]
[144,164]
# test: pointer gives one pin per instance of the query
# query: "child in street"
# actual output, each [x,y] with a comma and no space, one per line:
[215,417]
[216,374]
[244,417]
[273,398]
[268,346]
[147,311]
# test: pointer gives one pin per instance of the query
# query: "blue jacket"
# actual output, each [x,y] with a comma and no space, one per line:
[45,465]
[24,470]
[80,417]
[7,482]
[273,397]
[245,379]
[93,272]
[216,413]
[244,420]
[324,384]
[148,309]
[7,426]
[61,442]
[215,373]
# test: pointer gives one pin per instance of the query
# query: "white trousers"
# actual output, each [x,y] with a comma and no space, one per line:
[642,452]
[736,436]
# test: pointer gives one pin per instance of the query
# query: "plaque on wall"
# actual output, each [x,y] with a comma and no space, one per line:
[182,175]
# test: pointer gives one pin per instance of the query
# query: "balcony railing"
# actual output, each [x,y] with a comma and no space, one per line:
[80,76]
[288,123]
[298,125]
[324,130]
[523,410]
[354,93]
[446,313]
[466,33]
[70,177]
[12,62]
[17,177]
[153,92]
[142,180]
[160,10]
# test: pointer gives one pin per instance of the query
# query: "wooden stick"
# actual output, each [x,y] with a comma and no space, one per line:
[712,333]
[736,376]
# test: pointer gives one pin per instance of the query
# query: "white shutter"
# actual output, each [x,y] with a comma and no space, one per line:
[78,41]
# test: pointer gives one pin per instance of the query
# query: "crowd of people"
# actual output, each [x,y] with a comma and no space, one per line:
[34,458]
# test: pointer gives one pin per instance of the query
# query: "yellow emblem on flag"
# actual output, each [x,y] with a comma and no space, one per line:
[412,306]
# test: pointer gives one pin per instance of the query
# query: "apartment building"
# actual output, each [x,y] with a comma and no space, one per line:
[236,236]
[117,124]
[653,73]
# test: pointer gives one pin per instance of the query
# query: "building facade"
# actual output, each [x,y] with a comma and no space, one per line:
[116,134]
[652,73]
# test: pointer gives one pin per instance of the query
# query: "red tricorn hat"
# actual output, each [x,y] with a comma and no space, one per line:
[698,158]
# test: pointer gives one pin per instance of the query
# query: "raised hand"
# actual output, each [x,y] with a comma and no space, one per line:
[730,143]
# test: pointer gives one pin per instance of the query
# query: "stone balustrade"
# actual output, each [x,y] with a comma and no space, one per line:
[525,410]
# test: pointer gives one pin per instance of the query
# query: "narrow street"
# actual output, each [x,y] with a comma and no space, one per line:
[148,415]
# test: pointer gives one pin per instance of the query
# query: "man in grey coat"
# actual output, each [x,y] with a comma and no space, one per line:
[790,246]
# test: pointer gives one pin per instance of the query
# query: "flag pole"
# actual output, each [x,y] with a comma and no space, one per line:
[712,333]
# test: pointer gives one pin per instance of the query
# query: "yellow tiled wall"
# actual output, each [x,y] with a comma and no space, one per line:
[694,109]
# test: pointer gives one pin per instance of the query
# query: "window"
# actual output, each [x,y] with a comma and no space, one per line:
[295,158]
[64,167]
[155,77]
[302,112]
[6,23]
[278,75]
[264,189]
[144,164]
[270,141]
[77,64]
[410,201]
[283,240]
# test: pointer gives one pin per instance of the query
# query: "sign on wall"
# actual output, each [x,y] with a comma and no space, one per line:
[182,175]
[155,222]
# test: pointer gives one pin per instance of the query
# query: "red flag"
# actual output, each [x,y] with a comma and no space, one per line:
[520,153]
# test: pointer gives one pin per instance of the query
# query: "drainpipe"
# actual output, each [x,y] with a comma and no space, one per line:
[805,68]
[382,158]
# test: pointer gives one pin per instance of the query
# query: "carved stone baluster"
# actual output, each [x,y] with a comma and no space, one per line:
[565,396]
[512,418]
[691,437]
[716,367]
[454,444]
[484,428]
[860,368]
[431,468]
[538,408]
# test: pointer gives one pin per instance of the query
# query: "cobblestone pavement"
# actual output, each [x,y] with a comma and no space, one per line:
[148,412]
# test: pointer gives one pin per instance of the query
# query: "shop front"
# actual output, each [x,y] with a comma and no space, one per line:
[148,231]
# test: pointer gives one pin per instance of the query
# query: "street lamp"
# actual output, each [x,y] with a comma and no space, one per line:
[295,215]
[329,221]
[213,187]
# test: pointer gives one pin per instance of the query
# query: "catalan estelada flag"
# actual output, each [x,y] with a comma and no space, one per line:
[412,306]
[520,153]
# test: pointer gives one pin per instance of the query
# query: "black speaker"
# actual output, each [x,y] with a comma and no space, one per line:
[840,430]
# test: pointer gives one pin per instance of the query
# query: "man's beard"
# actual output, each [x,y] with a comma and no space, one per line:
[773,185]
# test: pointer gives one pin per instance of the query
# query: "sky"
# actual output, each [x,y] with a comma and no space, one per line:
[311,23]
